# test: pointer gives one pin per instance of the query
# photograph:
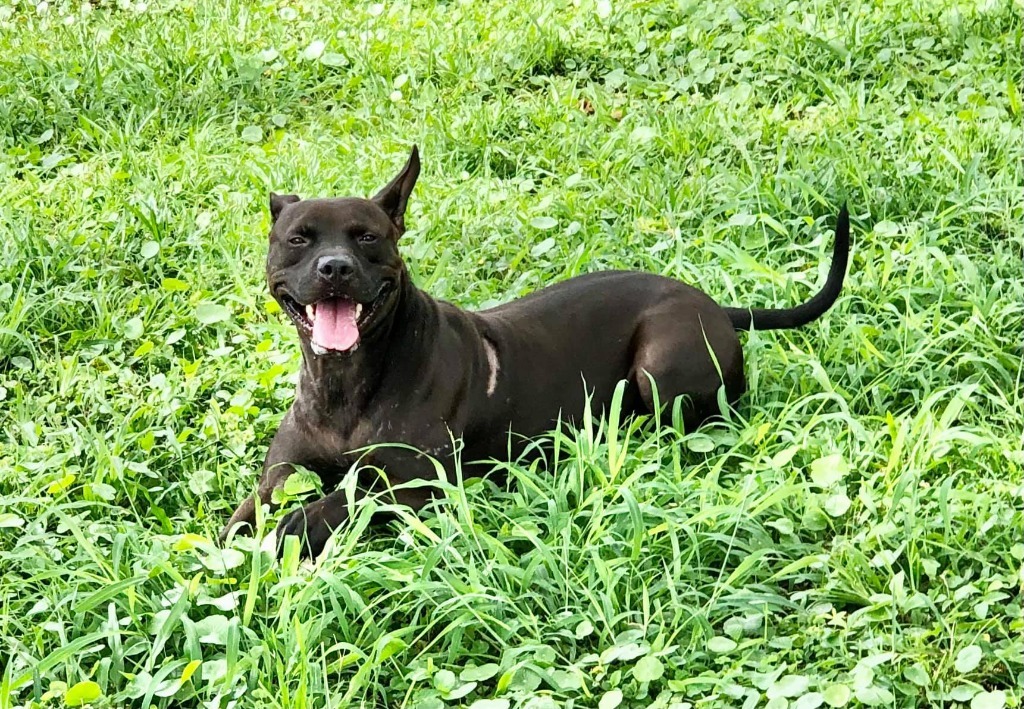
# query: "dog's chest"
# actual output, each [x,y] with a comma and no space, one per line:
[337,443]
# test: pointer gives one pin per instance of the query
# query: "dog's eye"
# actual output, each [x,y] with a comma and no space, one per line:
[297,240]
[367,238]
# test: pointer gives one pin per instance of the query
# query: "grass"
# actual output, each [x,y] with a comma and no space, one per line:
[853,536]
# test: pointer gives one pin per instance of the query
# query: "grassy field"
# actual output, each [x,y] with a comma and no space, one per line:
[853,536]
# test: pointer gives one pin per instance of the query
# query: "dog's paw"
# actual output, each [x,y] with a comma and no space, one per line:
[309,525]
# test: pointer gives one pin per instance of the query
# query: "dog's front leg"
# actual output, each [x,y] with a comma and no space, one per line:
[244,516]
[275,471]
[314,523]
[317,521]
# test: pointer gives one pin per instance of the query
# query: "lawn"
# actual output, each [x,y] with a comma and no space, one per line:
[852,535]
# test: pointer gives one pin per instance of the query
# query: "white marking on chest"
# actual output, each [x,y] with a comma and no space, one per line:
[493,366]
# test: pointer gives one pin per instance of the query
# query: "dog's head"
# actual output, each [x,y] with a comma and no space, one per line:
[333,264]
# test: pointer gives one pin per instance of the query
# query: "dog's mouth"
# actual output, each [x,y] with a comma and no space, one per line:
[332,325]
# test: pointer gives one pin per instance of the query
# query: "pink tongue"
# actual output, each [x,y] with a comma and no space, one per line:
[334,324]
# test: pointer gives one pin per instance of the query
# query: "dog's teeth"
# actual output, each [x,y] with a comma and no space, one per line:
[359,309]
[317,349]
[310,311]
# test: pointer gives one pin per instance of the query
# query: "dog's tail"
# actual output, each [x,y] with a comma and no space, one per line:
[763,319]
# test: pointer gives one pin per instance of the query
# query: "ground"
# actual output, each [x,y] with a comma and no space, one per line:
[852,535]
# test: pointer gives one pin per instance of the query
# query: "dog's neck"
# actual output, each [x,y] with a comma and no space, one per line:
[340,387]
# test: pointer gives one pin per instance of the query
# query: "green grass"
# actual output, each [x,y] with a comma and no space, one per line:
[854,535]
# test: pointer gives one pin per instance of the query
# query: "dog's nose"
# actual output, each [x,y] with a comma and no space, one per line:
[335,268]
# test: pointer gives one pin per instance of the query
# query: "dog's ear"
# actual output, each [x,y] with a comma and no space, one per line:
[393,198]
[279,202]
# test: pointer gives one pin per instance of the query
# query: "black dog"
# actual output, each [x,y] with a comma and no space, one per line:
[383,362]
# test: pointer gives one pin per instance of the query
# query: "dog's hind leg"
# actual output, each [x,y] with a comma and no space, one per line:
[688,353]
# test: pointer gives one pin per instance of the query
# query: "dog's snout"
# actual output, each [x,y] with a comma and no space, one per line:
[335,269]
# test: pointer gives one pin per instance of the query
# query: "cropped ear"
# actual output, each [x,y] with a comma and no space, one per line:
[395,196]
[279,202]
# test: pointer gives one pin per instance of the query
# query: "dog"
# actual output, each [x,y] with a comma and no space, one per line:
[383,362]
